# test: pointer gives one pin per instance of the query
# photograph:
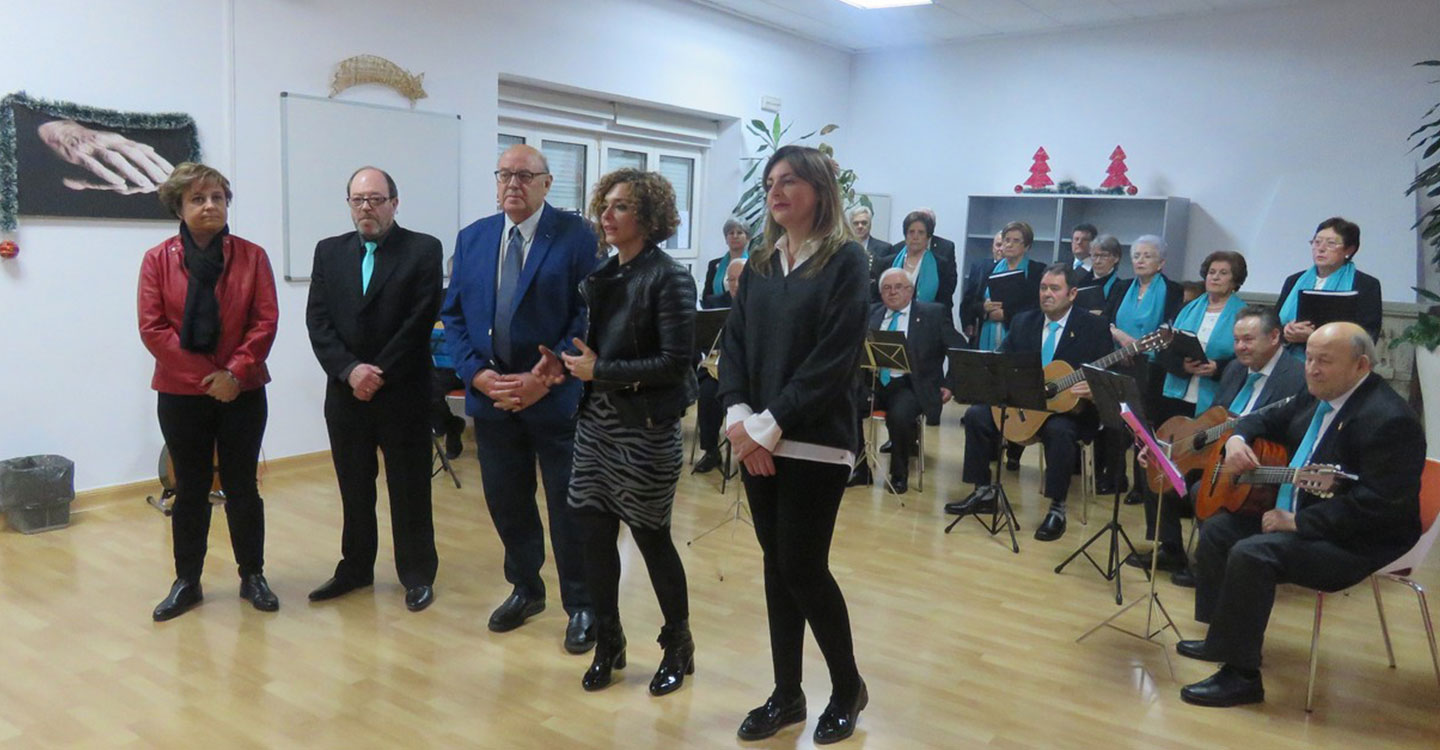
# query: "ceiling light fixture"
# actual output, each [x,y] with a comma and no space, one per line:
[876,4]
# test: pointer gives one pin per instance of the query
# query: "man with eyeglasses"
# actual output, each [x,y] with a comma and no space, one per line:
[374,295]
[515,288]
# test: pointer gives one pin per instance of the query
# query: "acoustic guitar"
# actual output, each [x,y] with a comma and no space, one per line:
[1023,425]
[1196,443]
[1253,491]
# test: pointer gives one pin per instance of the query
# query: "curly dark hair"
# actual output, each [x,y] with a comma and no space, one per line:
[186,175]
[1239,271]
[654,200]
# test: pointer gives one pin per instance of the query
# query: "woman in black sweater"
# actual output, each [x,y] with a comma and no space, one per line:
[792,340]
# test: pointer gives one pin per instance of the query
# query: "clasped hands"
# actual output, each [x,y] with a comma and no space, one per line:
[994,310]
[519,391]
[1298,332]
[221,385]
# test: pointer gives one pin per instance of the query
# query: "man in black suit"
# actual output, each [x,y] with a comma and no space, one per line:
[1059,332]
[1349,418]
[904,397]
[374,295]
[1260,375]
[1080,240]
[861,223]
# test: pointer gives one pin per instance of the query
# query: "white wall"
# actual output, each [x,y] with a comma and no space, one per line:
[73,375]
[1268,120]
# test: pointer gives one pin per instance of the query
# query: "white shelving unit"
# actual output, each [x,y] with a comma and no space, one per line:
[1054,216]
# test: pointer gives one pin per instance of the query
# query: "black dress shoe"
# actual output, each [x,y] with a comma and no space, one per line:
[889,444]
[336,586]
[183,596]
[1052,528]
[1135,497]
[1112,485]
[255,590]
[1169,561]
[860,477]
[1012,464]
[419,597]
[1183,578]
[838,723]
[982,500]
[453,444]
[1225,688]
[1194,650]
[898,485]
[776,714]
[580,632]
[513,612]
[708,462]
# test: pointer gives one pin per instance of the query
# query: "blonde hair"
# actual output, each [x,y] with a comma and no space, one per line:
[829,228]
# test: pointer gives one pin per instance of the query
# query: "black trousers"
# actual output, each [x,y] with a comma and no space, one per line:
[1237,568]
[199,430]
[794,512]
[395,423]
[602,566]
[1060,435]
[902,409]
[709,412]
[508,449]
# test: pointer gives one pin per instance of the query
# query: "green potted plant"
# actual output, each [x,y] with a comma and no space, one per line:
[1424,333]
[750,209]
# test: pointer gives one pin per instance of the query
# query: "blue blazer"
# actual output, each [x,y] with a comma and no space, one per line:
[548,306]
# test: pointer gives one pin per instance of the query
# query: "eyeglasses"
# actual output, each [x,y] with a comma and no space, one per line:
[360,201]
[1329,242]
[503,176]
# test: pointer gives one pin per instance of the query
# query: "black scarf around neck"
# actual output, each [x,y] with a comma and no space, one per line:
[200,328]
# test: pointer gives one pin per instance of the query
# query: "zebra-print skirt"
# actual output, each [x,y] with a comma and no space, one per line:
[628,472]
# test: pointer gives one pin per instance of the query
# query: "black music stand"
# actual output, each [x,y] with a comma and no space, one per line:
[1003,380]
[884,350]
[1108,390]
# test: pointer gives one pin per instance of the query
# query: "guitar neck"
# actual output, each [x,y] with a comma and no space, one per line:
[1214,433]
[1102,363]
[1269,475]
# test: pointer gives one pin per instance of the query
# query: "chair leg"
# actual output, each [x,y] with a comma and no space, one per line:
[1314,652]
[920,455]
[1425,618]
[1384,626]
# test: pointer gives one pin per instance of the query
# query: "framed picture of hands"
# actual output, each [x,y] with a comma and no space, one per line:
[65,159]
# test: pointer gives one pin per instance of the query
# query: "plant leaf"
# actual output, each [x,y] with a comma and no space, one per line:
[776,127]
[828,129]
[1427,294]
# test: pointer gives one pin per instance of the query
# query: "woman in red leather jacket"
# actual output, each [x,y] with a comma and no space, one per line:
[208,314]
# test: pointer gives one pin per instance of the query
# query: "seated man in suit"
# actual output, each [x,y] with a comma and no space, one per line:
[1057,331]
[1349,418]
[1258,376]
[904,397]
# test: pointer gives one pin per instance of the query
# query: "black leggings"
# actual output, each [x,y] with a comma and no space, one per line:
[197,429]
[601,533]
[794,512]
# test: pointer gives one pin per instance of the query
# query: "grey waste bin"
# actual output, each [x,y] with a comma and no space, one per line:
[36,491]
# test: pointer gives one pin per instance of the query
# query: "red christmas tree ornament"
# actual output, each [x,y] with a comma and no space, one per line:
[1115,178]
[1039,173]
[8,249]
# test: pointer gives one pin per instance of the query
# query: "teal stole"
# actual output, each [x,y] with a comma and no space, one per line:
[1220,346]
[992,332]
[927,275]
[1138,317]
[1342,280]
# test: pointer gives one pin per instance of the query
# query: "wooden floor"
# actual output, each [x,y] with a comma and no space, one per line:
[963,644]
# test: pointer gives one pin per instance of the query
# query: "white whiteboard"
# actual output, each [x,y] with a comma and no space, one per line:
[323,142]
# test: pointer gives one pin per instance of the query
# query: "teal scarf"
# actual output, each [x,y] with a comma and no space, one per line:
[1220,346]
[718,287]
[1138,317]
[1109,284]
[1342,280]
[927,275]
[992,332]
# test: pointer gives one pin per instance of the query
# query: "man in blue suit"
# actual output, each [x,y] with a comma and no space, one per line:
[515,287]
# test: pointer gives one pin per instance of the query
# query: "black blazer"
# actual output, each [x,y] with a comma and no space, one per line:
[944,252]
[1174,299]
[1085,339]
[1287,379]
[1374,435]
[877,250]
[974,309]
[930,334]
[642,328]
[388,326]
[708,298]
[1369,311]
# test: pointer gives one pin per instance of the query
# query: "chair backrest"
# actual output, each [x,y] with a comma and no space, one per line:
[1429,511]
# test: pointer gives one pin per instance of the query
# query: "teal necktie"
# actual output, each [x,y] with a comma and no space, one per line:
[1285,499]
[1047,348]
[1242,399]
[367,267]
[894,326]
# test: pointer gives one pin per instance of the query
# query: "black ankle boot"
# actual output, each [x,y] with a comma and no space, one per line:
[678,659]
[609,653]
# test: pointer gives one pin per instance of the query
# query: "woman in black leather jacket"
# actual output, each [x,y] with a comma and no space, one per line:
[635,362]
